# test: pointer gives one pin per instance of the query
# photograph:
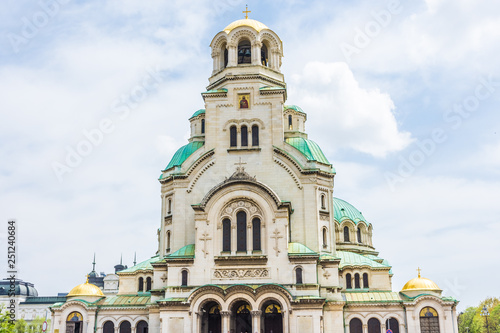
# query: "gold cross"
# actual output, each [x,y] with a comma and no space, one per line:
[419,270]
[246,12]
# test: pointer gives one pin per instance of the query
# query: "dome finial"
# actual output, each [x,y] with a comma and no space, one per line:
[246,12]
[419,270]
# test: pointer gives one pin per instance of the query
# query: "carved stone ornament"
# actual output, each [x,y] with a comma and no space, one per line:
[241,273]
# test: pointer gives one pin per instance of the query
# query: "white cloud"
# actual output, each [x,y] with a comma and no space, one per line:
[351,116]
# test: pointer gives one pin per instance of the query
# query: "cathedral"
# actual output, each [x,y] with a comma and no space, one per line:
[251,238]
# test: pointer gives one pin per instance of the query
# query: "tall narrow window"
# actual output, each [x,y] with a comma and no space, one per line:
[346,234]
[256,234]
[355,326]
[244,136]
[348,281]
[323,206]
[168,241]
[241,231]
[356,281]
[359,235]
[325,238]
[244,52]
[298,275]
[108,327]
[373,325]
[263,55]
[255,135]
[203,126]
[141,284]
[226,235]
[125,327]
[365,281]
[148,284]
[225,52]
[184,278]
[392,324]
[232,133]
[290,122]
[169,210]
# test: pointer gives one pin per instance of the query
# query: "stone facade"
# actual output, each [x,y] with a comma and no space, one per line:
[251,238]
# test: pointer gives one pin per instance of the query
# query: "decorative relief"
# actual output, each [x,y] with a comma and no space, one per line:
[290,172]
[168,220]
[202,171]
[231,207]
[324,216]
[241,273]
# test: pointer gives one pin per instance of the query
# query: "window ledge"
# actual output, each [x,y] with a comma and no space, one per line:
[244,149]
[240,259]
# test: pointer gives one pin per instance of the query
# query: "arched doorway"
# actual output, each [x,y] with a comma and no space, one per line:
[142,327]
[211,318]
[108,327]
[272,318]
[429,320]
[373,325]
[242,318]
[355,326]
[74,322]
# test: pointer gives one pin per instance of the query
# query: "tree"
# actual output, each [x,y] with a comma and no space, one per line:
[6,324]
[21,326]
[471,321]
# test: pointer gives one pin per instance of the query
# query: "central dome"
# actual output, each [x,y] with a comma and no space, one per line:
[420,283]
[246,23]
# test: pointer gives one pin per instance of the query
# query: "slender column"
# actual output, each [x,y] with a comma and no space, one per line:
[197,322]
[249,238]
[382,327]
[365,328]
[256,48]
[286,320]
[256,320]
[226,316]
[234,238]
[232,61]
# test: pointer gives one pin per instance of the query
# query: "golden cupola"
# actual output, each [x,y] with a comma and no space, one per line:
[420,285]
[87,290]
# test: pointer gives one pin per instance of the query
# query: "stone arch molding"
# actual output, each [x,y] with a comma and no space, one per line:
[249,206]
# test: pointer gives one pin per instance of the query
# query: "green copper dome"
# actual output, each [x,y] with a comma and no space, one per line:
[308,148]
[197,113]
[343,210]
[299,249]
[355,259]
[293,107]
[184,252]
[183,153]
[142,266]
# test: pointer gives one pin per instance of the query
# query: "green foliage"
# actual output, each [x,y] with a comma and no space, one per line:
[21,326]
[471,321]
[6,325]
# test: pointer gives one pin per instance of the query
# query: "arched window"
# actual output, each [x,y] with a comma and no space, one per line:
[203,126]
[244,52]
[359,235]
[141,284]
[241,231]
[226,57]
[169,204]
[125,327]
[290,122]
[325,237]
[148,284]
[168,241]
[263,55]
[392,324]
[429,320]
[108,327]
[226,235]
[365,281]
[142,327]
[298,275]
[256,234]
[244,136]
[184,278]
[346,234]
[255,135]
[348,281]
[356,326]
[356,281]
[373,325]
[232,133]
[323,205]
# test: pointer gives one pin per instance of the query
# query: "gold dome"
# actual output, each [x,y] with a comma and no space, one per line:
[420,283]
[246,23]
[86,289]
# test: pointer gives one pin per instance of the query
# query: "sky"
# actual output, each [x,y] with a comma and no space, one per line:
[401,96]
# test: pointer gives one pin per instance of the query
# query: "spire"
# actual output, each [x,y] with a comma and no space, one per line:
[121,257]
[93,264]
[135,258]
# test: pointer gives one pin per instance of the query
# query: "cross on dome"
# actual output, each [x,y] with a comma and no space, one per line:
[246,12]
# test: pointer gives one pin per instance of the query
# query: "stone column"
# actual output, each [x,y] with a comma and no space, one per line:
[382,327]
[249,237]
[286,320]
[197,322]
[256,48]
[365,328]
[216,61]
[231,54]
[226,316]
[256,321]
[234,239]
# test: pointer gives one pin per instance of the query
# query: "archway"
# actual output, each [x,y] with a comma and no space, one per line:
[74,322]
[242,319]
[142,327]
[272,318]
[211,318]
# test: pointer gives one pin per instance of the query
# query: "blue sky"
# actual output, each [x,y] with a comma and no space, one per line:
[402,97]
